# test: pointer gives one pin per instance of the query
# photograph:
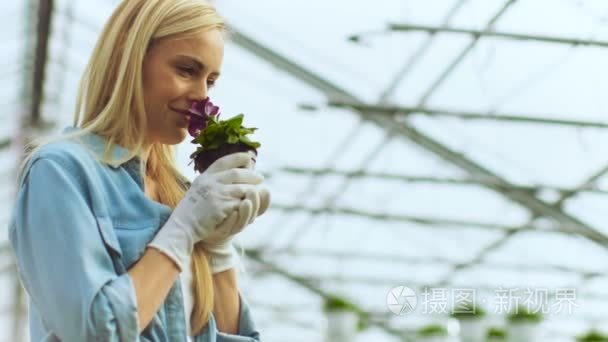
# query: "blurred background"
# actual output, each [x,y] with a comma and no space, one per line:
[438,168]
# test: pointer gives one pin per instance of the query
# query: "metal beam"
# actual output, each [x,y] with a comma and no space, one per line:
[436,223]
[272,57]
[464,115]
[5,143]
[590,182]
[427,221]
[394,258]
[417,56]
[43,29]
[38,13]
[532,189]
[465,51]
[494,34]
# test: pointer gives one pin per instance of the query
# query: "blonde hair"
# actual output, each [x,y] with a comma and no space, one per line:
[110,104]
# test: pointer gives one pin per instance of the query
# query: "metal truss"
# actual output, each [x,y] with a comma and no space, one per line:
[494,34]
[590,187]
[429,222]
[537,207]
[463,53]
[393,111]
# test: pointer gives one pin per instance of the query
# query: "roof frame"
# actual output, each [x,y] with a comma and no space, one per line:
[404,27]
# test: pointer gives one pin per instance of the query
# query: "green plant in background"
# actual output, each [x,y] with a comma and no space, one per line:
[522,314]
[432,330]
[497,334]
[467,310]
[592,336]
[334,303]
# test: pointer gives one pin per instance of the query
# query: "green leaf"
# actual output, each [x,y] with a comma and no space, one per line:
[221,132]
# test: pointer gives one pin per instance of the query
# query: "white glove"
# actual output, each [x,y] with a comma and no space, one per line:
[213,195]
[222,255]
[219,248]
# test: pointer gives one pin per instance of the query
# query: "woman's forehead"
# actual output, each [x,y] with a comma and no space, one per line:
[200,40]
[206,47]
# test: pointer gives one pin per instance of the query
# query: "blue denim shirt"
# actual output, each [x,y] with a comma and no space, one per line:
[77,226]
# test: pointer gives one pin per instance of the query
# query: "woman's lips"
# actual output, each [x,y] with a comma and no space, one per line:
[184,120]
[186,113]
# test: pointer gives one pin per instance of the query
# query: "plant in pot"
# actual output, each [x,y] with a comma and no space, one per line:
[523,324]
[471,320]
[216,138]
[432,333]
[496,334]
[344,319]
[592,336]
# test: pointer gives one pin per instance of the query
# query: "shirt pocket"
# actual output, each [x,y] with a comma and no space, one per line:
[110,240]
[106,230]
[133,236]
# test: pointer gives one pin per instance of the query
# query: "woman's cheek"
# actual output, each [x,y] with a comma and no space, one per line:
[176,87]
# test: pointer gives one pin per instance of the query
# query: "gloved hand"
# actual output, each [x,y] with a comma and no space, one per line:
[220,249]
[219,245]
[213,195]
[222,255]
[255,202]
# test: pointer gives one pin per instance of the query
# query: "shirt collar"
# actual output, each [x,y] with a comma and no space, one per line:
[97,145]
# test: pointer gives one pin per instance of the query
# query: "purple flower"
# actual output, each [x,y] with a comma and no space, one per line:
[200,112]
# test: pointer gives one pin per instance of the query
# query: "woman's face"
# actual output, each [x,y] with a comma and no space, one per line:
[177,71]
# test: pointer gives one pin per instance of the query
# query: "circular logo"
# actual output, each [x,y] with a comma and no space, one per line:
[401,300]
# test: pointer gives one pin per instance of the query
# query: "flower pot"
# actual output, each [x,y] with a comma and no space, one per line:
[472,330]
[522,331]
[204,159]
[341,326]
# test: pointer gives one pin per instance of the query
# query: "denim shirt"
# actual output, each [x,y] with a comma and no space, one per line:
[77,226]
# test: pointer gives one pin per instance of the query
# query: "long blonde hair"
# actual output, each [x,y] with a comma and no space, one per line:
[110,104]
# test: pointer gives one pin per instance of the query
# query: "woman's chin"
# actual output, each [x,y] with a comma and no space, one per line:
[177,137]
[183,135]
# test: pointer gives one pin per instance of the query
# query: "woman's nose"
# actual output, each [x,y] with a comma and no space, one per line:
[199,92]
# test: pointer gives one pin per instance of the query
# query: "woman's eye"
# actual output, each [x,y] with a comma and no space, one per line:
[186,71]
[210,84]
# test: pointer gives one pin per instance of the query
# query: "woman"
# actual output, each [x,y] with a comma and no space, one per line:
[111,242]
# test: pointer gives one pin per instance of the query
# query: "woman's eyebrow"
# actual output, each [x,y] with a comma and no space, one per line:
[200,65]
